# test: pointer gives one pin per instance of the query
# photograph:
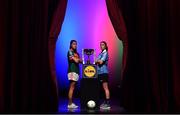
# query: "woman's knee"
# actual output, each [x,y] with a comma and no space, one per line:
[72,85]
[105,86]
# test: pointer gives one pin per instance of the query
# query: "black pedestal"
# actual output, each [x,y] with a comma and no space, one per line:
[89,91]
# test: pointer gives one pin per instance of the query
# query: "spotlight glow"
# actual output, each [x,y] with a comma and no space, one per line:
[87,21]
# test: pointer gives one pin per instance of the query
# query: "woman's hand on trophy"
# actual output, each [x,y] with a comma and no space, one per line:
[96,62]
[80,60]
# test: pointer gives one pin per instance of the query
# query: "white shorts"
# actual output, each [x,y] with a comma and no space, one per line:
[73,76]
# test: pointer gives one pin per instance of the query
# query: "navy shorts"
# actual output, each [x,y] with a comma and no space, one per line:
[103,77]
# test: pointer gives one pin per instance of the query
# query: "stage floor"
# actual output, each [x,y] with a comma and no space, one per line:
[115,107]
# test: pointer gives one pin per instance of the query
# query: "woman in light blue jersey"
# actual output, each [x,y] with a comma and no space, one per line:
[102,68]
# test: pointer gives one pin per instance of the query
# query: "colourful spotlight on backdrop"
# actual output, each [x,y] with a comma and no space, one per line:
[87,21]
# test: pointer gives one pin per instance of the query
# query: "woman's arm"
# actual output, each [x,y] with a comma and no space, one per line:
[75,59]
[99,62]
[102,59]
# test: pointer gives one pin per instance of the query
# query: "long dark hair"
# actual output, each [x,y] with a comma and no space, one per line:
[70,46]
[105,45]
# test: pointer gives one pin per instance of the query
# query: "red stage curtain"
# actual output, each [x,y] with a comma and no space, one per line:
[26,84]
[55,28]
[174,55]
[119,27]
[151,81]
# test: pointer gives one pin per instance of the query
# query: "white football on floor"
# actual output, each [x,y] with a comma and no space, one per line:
[91,104]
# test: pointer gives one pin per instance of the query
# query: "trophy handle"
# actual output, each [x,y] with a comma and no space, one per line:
[94,57]
[83,56]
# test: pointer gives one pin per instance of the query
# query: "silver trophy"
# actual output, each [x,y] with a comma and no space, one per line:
[88,52]
[89,66]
